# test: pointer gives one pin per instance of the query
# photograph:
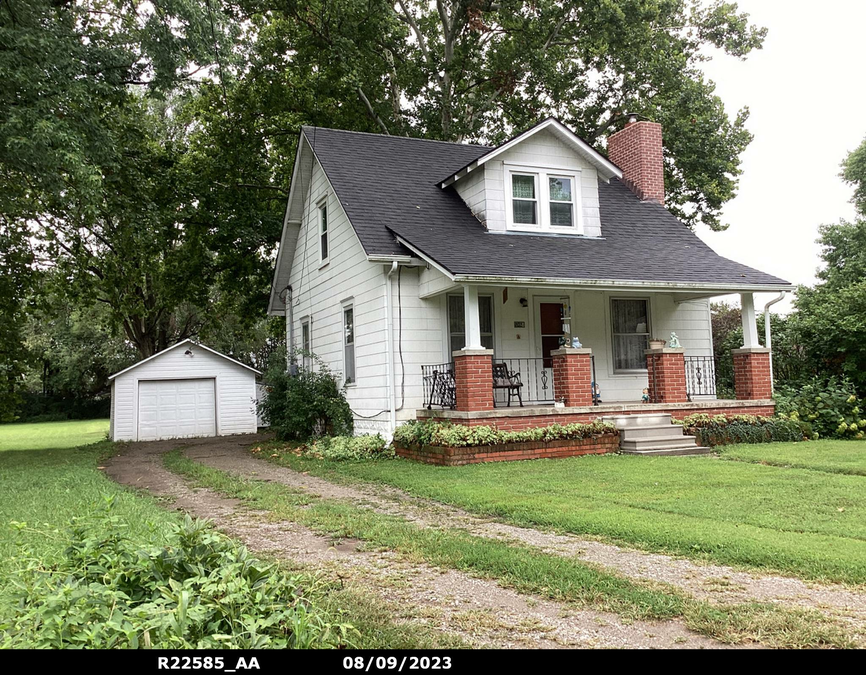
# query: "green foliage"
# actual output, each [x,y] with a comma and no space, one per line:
[457,71]
[831,407]
[417,433]
[831,320]
[854,173]
[308,405]
[831,316]
[712,430]
[200,590]
[348,448]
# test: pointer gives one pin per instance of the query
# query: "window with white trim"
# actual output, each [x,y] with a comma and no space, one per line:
[306,345]
[561,194]
[457,321]
[348,344]
[630,331]
[546,200]
[524,198]
[323,232]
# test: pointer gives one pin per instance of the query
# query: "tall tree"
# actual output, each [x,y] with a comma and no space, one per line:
[831,316]
[478,70]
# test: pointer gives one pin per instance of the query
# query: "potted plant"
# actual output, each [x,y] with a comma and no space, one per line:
[656,343]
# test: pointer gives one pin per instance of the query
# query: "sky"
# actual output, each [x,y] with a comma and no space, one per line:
[807,96]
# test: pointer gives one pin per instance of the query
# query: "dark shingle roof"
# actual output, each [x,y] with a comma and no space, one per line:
[389,186]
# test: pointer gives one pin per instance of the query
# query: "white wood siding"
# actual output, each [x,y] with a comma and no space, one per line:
[543,149]
[235,390]
[320,292]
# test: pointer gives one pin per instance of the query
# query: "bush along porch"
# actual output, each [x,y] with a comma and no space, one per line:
[453,445]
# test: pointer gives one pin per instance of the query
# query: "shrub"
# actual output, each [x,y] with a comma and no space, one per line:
[830,406]
[307,405]
[417,433]
[346,448]
[201,590]
[711,430]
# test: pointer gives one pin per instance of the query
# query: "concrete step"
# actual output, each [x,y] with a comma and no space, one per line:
[660,443]
[695,450]
[638,433]
[647,420]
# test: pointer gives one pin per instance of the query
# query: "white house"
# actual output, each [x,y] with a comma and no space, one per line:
[398,255]
[184,391]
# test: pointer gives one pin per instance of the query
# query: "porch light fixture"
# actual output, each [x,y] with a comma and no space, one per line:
[524,302]
[188,352]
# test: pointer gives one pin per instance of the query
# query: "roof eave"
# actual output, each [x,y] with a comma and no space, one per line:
[602,284]
[175,346]
[606,168]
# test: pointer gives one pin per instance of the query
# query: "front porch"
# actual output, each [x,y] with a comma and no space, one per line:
[521,359]
[515,418]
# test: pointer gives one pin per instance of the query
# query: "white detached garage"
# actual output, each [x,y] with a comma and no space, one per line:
[184,391]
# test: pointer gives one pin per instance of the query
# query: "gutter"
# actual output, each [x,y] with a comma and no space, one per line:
[768,340]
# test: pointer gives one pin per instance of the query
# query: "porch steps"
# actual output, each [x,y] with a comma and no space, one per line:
[653,434]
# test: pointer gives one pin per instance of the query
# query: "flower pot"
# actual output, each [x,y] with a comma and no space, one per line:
[657,344]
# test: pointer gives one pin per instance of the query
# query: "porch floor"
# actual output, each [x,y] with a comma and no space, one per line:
[606,408]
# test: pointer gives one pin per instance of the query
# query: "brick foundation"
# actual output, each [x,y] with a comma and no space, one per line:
[473,379]
[450,456]
[752,379]
[572,376]
[666,375]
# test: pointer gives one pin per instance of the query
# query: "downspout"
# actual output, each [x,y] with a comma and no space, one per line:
[389,310]
[768,340]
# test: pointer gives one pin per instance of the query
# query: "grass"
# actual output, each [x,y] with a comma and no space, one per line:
[42,490]
[51,435]
[524,568]
[848,457]
[801,522]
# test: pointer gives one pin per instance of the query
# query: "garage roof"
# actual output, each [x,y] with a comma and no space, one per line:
[179,344]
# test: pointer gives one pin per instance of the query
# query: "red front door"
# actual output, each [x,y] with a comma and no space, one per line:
[551,330]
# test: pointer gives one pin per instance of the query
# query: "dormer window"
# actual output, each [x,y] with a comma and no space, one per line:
[561,201]
[542,200]
[524,200]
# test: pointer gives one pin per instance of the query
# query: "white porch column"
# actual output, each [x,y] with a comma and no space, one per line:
[471,318]
[750,324]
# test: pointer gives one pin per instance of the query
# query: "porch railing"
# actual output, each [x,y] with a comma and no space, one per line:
[537,382]
[594,387]
[700,376]
[439,387]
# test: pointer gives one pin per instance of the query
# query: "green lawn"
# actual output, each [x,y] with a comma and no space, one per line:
[42,490]
[799,521]
[45,435]
[830,456]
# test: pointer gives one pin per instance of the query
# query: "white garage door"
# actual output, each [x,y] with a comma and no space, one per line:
[176,409]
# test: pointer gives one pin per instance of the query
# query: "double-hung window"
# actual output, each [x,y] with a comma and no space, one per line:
[524,198]
[348,344]
[457,321]
[306,345]
[323,232]
[544,200]
[561,194]
[630,324]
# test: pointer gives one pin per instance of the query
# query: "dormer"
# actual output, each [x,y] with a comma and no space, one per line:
[544,181]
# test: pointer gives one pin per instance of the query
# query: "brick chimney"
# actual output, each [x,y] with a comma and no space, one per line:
[637,150]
